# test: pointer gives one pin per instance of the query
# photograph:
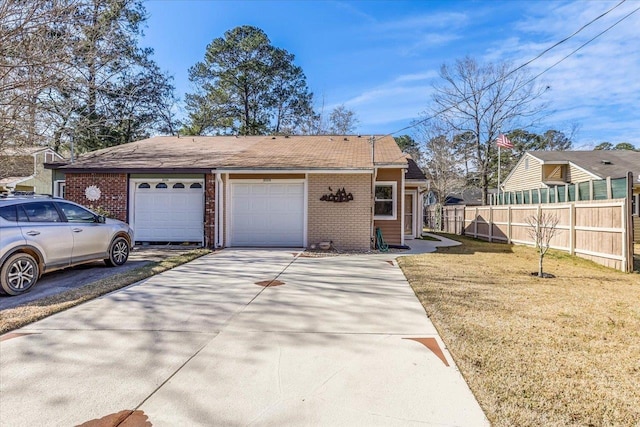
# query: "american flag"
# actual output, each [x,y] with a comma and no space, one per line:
[504,142]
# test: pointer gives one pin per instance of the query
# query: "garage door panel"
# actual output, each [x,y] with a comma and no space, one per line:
[169,214]
[267,214]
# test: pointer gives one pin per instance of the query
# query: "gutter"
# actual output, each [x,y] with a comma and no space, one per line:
[218,214]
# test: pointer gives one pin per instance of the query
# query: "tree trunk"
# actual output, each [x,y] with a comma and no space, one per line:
[540,274]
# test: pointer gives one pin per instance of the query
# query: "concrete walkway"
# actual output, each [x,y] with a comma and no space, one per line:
[203,344]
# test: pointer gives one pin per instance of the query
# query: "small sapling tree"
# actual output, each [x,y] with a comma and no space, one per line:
[542,228]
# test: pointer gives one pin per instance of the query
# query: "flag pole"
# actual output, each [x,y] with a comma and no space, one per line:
[499,174]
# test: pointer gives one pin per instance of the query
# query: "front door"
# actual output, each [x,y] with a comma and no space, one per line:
[409,222]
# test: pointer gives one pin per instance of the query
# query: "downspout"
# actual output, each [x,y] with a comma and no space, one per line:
[219,204]
[402,207]
[374,177]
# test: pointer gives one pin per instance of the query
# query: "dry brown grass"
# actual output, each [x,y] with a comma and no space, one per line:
[563,351]
[14,318]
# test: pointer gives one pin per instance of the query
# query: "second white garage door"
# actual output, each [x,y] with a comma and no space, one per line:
[267,214]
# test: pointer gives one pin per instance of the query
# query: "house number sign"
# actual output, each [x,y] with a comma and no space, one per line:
[338,197]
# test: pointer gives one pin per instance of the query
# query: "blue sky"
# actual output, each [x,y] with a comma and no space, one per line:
[381,58]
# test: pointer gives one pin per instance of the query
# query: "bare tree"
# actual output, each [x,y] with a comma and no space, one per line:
[480,99]
[73,69]
[542,228]
[442,162]
[32,58]
[342,121]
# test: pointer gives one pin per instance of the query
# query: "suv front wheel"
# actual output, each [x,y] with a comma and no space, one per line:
[19,273]
[118,252]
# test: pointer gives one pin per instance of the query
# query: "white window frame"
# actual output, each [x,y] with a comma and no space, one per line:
[59,186]
[394,200]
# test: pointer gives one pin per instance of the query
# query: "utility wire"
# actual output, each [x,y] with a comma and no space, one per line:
[419,122]
[565,39]
[581,46]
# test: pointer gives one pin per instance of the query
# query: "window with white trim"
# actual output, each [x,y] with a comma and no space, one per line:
[385,200]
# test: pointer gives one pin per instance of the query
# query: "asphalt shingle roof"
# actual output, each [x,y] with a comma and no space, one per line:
[603,163]
[250,152]
[414,171]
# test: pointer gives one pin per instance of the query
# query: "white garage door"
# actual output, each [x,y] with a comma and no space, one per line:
[169,211]
[267,214]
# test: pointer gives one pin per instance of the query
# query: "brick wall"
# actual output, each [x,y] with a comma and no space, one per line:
[348,224]
[113,188]
[210,210]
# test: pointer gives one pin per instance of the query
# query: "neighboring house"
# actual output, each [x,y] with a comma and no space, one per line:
[466,197]
[226,191]
[461,197]
[22,169]
[546,169]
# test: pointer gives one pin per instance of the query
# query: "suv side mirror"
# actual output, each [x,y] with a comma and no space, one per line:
[101,219]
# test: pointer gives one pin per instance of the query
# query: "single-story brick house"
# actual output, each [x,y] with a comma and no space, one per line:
[227,191]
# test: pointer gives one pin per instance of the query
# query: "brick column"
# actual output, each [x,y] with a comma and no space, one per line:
[210,210]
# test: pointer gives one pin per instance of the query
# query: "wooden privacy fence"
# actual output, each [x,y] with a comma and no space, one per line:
[447,219]
[597,230]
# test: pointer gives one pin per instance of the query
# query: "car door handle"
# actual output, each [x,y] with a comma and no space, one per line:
[33,233]
[76,230]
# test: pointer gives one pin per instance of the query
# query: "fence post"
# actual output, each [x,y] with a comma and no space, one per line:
[490,223]
[609,190]
[572,228]
[509,224]
[475,224]
[455,220]
[538,215]
[629,224]
[590,189]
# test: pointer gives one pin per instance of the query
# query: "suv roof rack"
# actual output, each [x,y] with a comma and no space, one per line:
[26,195]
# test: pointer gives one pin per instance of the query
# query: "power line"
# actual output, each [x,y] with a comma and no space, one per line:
[581,46]
[565,39]
[530,61]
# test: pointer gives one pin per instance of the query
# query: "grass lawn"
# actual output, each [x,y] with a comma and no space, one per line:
[563,351]
[14,318]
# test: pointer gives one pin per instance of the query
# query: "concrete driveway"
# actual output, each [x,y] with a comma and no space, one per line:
[208,344]
[76,277]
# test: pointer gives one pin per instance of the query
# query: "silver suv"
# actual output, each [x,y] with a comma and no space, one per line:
[42,234]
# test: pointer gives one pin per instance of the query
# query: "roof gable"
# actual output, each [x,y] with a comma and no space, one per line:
[413,171]
[25,150]
[528,155]
[599,163]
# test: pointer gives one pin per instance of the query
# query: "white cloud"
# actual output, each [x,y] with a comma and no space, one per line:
[399,100]
[441,20]
[429,75]
[597,86]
